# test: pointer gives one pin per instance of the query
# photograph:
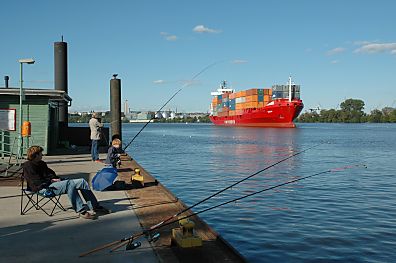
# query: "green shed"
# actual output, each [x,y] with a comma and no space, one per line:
[40,107]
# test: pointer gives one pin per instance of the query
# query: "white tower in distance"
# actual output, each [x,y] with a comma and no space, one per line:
[126,107]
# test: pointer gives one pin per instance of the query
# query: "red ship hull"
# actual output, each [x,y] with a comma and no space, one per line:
[280,114]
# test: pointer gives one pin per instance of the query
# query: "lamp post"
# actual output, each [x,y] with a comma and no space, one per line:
[21,62]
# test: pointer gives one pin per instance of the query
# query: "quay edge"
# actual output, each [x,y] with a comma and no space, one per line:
[155,202]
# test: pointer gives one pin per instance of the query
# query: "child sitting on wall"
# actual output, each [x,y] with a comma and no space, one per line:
[114,152]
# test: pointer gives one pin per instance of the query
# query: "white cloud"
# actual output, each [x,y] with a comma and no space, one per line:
[239,61]
[377,48]
[334,62]
[362,42]
[171,38]
[203,29]
[159,81]
[168,36]
[335,51]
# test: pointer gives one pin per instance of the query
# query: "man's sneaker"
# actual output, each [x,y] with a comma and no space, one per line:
[102,210]
[87,215]
[98,161]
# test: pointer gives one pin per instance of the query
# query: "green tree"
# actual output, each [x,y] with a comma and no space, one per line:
[331,115]
[392,115]
[352,110]
[375,116]
[309,117]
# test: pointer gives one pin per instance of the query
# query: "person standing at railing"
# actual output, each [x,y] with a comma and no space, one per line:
[95,125]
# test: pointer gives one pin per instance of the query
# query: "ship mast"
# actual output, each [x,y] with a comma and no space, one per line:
[290,89]
[223,89]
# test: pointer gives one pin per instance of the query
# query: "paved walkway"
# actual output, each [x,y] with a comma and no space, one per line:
[36,237]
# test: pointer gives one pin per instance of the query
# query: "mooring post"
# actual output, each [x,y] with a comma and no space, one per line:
[60,72]
[115,107]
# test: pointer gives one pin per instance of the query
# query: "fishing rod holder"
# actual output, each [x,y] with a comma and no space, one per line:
[185,236]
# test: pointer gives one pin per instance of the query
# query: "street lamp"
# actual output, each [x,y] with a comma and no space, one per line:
[22,61]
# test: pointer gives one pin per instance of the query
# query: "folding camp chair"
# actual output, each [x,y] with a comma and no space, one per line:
[38,200]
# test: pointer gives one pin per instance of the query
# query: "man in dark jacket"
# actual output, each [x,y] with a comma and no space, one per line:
[40,178]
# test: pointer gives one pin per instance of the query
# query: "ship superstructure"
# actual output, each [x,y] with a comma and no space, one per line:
[268,107]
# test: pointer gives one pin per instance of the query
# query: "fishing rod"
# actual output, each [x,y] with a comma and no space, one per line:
[183,86]
[248,195]
[119,243]
[146,232]
[267,189]
[234,184]
[104,136]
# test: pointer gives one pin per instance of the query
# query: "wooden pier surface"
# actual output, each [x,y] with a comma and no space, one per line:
[154,203]
[151,204]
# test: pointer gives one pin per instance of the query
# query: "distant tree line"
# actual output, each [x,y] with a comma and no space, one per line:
[351,111]
[204,119]
[80,119]
[107,119]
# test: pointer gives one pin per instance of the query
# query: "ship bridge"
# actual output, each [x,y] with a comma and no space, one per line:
[223,89]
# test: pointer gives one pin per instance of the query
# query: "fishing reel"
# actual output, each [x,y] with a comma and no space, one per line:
[132,245]
[151,238]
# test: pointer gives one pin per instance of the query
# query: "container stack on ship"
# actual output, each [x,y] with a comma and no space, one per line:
[269,107]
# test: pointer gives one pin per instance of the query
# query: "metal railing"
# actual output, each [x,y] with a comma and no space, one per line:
[11,153]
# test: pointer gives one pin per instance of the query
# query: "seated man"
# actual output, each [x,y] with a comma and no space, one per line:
[39,177]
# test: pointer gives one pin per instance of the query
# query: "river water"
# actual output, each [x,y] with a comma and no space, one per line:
[343,216]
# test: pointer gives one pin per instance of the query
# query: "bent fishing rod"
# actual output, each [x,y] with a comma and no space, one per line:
[125,240]
[166,103]
[232,185]
[119,243]
[146,232]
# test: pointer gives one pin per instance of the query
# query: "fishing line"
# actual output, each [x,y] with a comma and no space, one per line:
[164,222]
[119,243]
[234,184]
[182,87]
[266,189]
[255,193]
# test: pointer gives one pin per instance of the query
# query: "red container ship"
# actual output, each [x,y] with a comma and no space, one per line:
[270,107]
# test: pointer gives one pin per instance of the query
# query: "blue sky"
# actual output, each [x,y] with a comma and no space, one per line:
[334,49]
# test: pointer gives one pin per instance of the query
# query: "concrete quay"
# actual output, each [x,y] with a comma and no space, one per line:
[36,237]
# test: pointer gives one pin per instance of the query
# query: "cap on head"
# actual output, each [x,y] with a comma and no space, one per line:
[95,115]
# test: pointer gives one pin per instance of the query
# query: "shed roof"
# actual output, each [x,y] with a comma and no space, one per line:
[54,95]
